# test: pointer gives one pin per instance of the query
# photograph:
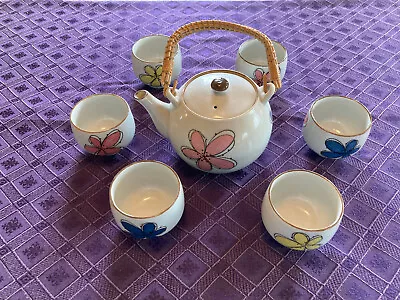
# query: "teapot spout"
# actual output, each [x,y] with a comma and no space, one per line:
[159,111]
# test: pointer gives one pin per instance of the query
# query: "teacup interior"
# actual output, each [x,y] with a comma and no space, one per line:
[340,115]
[253,51]
[150,48]
[99,113]
[145,189]
[306,200]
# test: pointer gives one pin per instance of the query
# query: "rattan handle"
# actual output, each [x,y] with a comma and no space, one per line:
[197,26]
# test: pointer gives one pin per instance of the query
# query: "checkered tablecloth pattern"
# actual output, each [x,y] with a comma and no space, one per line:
[58,238]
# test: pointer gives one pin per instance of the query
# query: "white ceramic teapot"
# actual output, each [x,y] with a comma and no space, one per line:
[219,121]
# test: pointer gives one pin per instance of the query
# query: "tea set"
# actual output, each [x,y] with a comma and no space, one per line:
[220,121]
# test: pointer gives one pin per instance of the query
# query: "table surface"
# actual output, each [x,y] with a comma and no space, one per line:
[58,237]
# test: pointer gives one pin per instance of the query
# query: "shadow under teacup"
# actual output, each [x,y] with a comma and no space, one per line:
[251,60]
[336,126]
[147,59]
[102,124]
[302,210]
[147,199]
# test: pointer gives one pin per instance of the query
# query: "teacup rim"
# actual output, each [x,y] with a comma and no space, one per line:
[298,227]
[139,162]
[257,65]
[152,61]
[335,133]
[105,130]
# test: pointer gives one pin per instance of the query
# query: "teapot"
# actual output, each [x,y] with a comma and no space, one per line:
[219,121]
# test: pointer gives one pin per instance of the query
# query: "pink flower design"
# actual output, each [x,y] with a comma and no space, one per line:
[210,155]
[258,76]
[107,146]
[305,120]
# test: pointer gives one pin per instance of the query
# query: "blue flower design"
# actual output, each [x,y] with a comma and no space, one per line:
[338,150]
[146,230]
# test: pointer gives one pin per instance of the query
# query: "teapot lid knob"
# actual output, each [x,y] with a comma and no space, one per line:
[219,84]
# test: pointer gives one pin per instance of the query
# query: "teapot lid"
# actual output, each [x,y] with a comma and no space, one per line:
[220,94]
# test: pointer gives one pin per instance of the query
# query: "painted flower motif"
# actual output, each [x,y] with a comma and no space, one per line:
[305,120]
[146,230]
[152,75]
[299,241]
[338,150]
[107,146]
[258,76]
[209,155]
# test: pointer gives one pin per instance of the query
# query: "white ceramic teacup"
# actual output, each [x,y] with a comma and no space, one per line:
[251,59]
[336,127]
[147,59]
[102,124]
[302,210]
[147,199]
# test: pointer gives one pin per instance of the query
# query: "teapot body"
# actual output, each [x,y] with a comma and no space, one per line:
[219,121]
[220,145]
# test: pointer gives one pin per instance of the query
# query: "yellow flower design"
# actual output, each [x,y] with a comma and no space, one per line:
[299,241]
[152,75]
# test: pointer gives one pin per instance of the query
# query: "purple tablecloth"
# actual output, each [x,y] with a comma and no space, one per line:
[58,237]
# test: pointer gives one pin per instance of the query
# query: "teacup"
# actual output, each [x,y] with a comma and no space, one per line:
[102,124]
[336,127]
[147,199]
[302,210]
[147,59]
[251,60]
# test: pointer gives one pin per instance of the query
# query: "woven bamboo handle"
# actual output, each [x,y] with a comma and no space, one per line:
[197,26]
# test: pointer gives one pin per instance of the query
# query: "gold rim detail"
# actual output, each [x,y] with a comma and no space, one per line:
[96,95]
[135,163]
[305,229]
[150,60]
[339,134]
[264,66]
